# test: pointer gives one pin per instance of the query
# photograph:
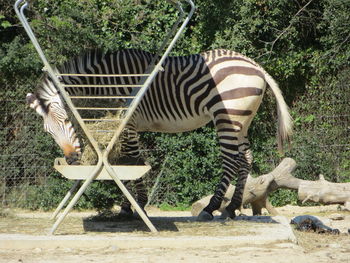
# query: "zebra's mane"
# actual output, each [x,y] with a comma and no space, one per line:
[47,93]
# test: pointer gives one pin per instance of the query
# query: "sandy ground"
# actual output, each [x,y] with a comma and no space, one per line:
[310,247]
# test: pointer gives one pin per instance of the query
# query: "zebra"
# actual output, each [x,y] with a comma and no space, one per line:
[220,85]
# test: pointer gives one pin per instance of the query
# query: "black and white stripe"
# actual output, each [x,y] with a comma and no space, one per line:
[48,104]
[220,86]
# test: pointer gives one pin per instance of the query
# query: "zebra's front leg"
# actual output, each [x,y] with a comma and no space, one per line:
[141,198]
[131,156]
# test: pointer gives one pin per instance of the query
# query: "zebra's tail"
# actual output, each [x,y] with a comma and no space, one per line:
[285,122]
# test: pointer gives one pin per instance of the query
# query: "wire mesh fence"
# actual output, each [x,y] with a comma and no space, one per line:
[322,131]
[321,144]
[20,164]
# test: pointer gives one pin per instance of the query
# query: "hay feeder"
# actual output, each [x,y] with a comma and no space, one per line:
[103,169]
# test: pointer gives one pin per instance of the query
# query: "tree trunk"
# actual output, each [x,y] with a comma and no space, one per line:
[257,189]
[324,192]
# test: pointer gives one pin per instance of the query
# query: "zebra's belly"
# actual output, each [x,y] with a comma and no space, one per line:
[173,126]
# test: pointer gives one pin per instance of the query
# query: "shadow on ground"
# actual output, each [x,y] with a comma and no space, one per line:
[113,223]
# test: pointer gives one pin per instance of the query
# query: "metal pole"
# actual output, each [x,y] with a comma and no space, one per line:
[149,80]
[87,182]
[51,72]
[128,115]
[48,68]
[154,188]
[125,191]
[65,199]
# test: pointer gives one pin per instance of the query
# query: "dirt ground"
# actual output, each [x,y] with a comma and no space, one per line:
[310,247]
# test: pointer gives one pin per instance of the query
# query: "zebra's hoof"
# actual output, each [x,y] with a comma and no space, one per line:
[137,216]
[229,213]
[224,215]
[204,216]
[126,214]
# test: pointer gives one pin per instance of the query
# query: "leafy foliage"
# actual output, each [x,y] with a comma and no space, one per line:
[192,164]
[305,45]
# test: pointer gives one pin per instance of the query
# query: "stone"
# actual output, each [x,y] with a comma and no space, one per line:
[336,216]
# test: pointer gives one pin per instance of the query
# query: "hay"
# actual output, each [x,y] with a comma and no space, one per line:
[103,132]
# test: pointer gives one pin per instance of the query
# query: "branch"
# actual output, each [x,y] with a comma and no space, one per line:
[286,29]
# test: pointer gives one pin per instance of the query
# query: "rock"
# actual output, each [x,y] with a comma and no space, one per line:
[333,245]
[37,250]
[312,223]
[336,216]
[112,249]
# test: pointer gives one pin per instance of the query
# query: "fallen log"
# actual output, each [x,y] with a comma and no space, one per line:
[257,189]
[324,192]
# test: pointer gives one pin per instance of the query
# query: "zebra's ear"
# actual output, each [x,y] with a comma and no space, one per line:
[30,99]
[33,103]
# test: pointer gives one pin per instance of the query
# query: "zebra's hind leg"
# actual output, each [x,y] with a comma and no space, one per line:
[245,160]
[232,167]
[125,208]
[229,146]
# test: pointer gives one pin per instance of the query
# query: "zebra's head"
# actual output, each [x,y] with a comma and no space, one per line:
[48,104]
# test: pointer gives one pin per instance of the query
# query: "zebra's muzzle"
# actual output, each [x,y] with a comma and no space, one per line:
[73,158]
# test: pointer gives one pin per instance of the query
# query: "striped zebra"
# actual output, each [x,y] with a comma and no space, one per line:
[221,86]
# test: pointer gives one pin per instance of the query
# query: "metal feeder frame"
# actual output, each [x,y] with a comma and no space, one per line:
[103,170]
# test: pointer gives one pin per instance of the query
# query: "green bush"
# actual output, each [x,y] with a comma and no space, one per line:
[192,164]
[303,45]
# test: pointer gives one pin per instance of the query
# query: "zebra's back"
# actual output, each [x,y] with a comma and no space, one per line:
[190,91]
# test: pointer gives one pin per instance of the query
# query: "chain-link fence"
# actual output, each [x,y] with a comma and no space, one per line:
[321,144]
[20,164]
[322,133]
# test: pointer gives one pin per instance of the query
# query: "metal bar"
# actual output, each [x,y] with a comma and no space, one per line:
[179,32]
[51,72]
[65,199]
[129,113]
[102,97]
[148,81]
[97,169]
[125,191]
[91,108]
[65,96]
[22,18]
[102,120]
[101,75]
[155,186]
[101,86]
[171,32]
